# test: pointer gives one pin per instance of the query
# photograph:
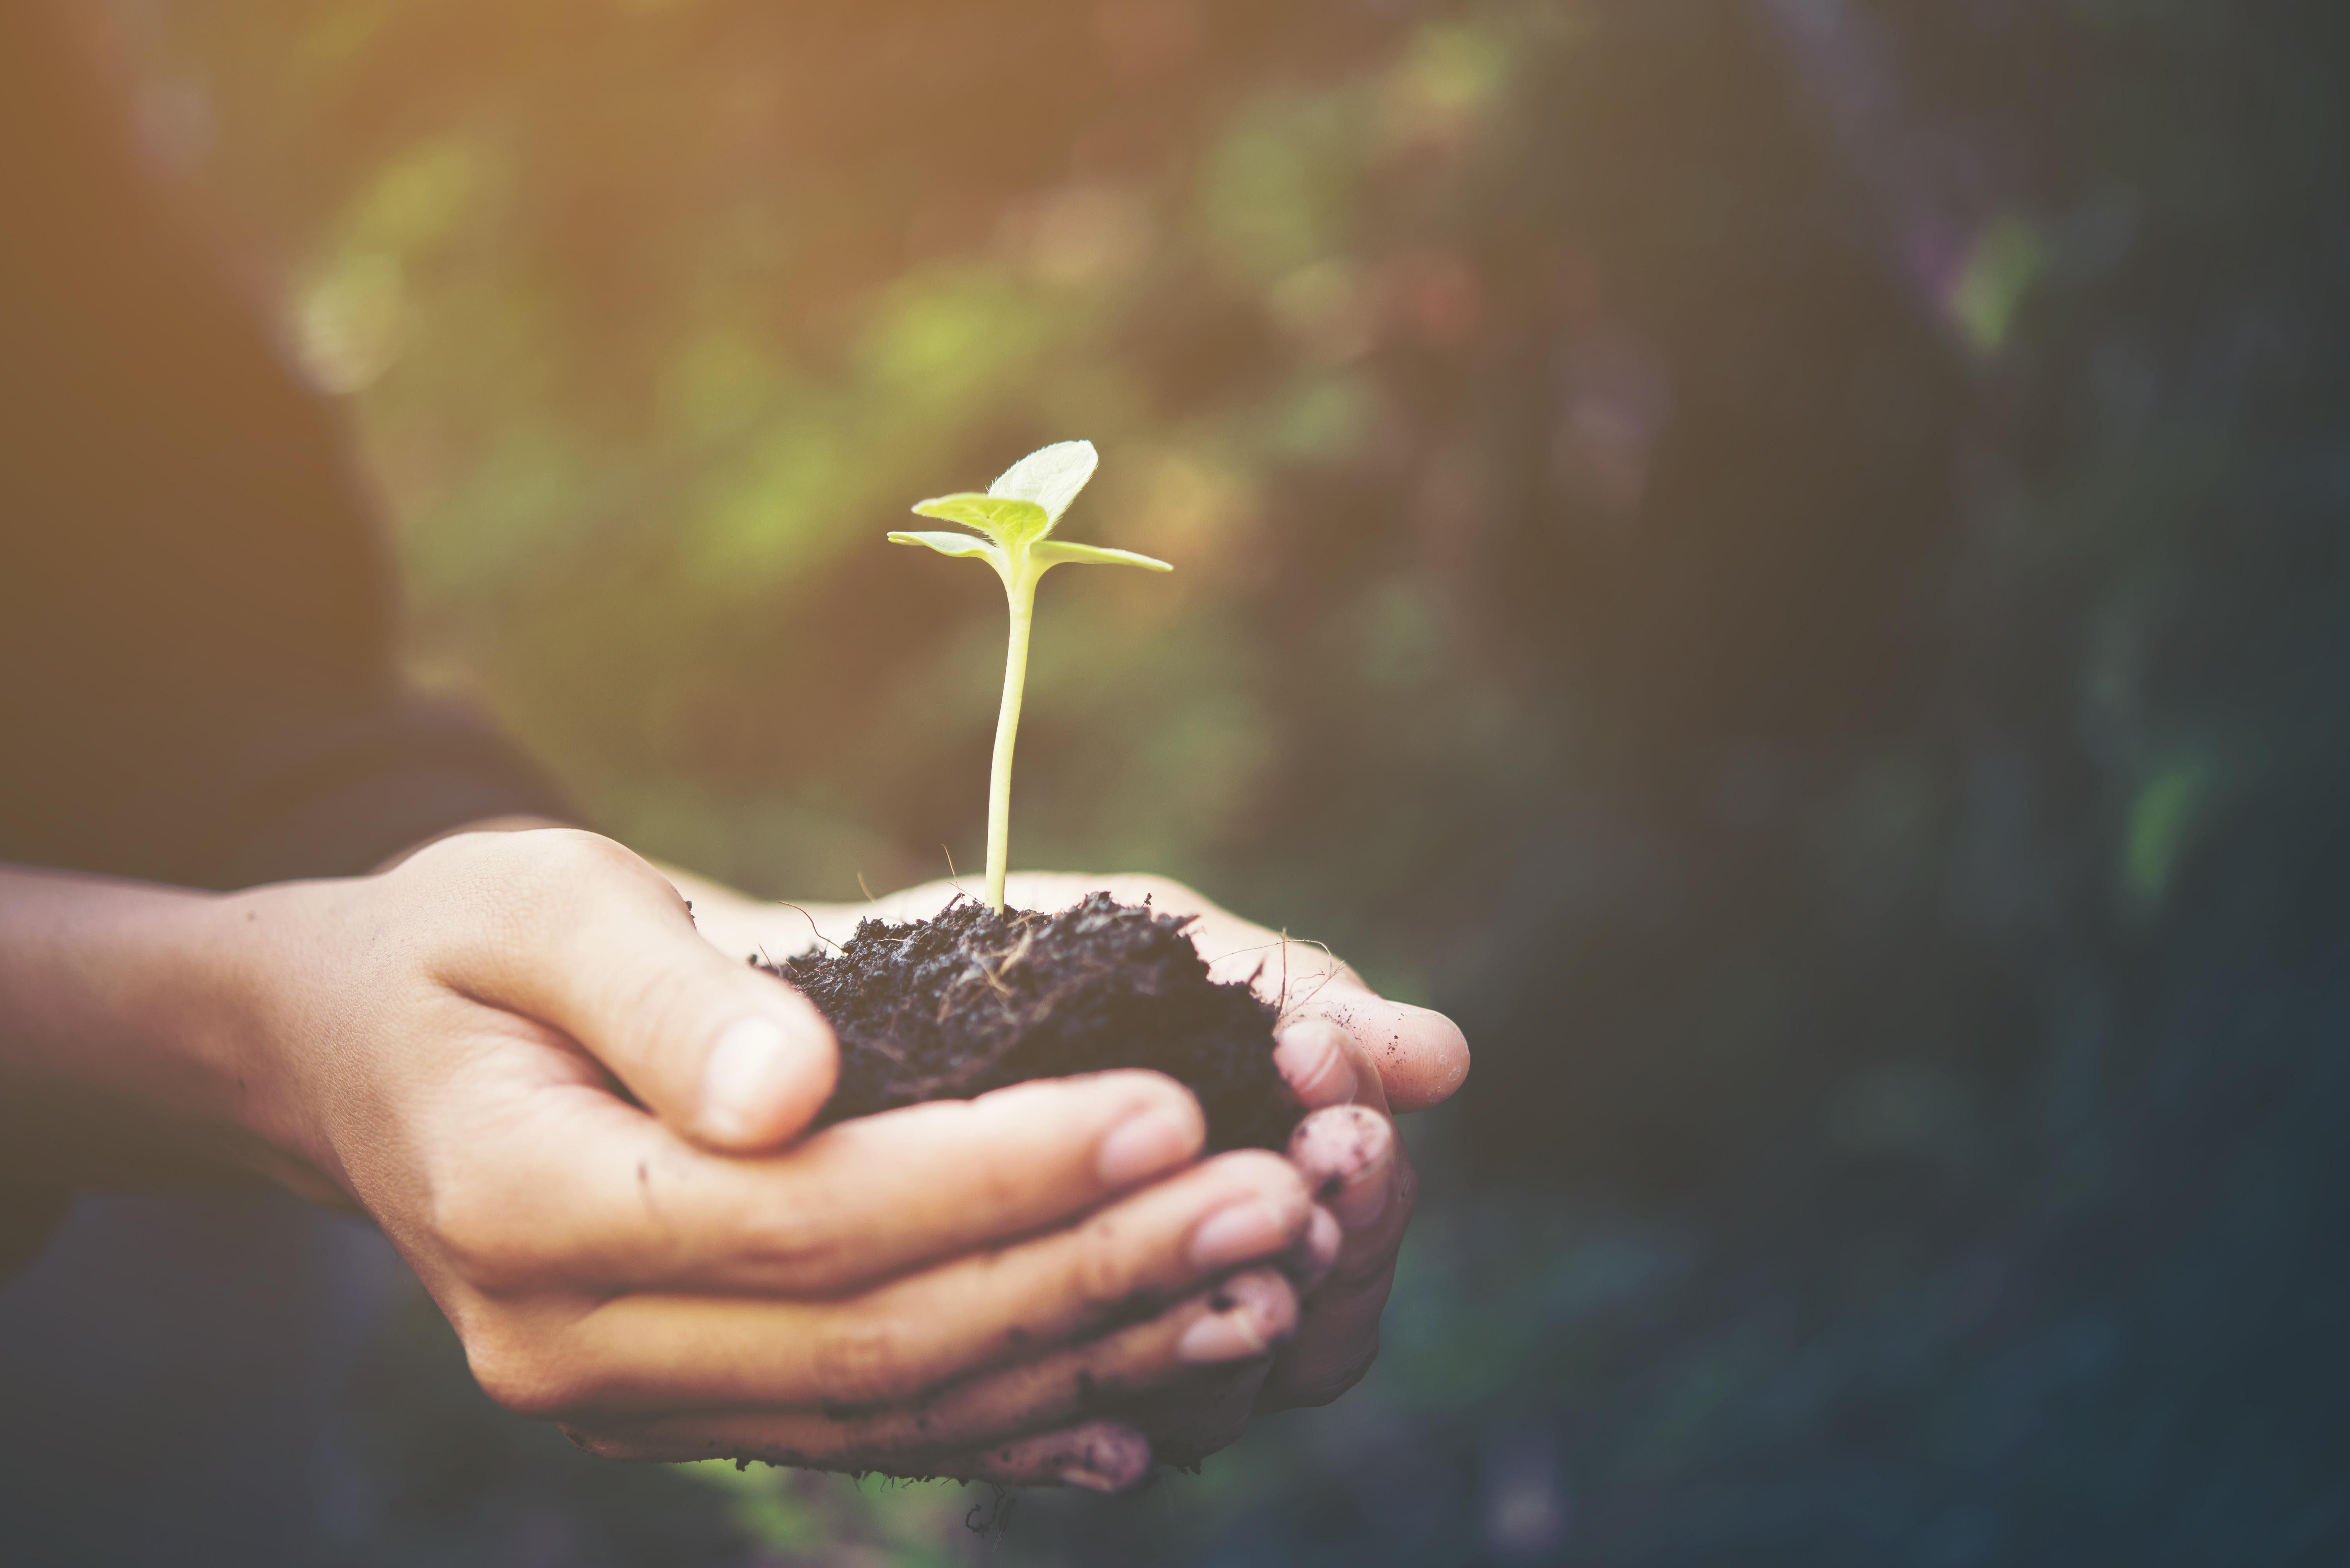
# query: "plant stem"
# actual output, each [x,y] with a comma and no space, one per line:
[1020,588]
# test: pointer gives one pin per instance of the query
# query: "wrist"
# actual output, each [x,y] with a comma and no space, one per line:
[257,1042]
[132,1037]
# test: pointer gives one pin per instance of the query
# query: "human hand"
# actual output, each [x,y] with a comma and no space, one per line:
[564,1109]
[1419,1055]
[1348,1054]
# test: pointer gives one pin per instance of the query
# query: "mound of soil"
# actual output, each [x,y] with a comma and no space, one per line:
[970,1001]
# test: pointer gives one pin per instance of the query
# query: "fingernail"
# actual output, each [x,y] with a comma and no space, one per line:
[747,1070]
[1237,1233]
[1230,1334]
[1313,1055]
[1146,1144]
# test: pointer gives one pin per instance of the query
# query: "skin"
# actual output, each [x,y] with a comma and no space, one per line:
[1352,1057]
[580,1120]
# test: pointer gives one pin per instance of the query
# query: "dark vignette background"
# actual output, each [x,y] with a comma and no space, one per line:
[1784,560]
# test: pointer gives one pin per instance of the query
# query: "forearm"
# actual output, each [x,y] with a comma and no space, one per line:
[129,1029]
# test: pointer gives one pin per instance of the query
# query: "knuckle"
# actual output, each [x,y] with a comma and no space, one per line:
[862,1359]
[475,1232]
[554,869]
[573,848]
[994,1188]
[520,1376]
[791,1240]
[1100,1273]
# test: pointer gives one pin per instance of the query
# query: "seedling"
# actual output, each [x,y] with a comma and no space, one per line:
[979,997]
[1015,519]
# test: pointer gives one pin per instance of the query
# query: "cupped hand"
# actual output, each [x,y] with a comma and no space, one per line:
[1351,1057]
[1347,1150]
[1419,1055]
[571,1114]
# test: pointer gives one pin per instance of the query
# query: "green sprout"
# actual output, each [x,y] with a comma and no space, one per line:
[1016,517]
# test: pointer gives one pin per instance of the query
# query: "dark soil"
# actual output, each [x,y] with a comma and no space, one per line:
[970,1001]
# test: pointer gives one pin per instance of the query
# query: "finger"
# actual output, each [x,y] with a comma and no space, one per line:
[1193,1416]
[1323,1067]
[583,935]
[1316,1253]
[1348,1156]
[582,1190]
[1356,1165]
[1243,1319]
[1339,1331]
[1099,1455]
[891,1344]
[1339,1342]
[1419,1055]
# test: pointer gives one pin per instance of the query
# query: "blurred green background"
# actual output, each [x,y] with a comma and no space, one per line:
[1781,559]
[653,318]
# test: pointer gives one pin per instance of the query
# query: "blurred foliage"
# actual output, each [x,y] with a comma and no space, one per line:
[1794,579]
[651,315]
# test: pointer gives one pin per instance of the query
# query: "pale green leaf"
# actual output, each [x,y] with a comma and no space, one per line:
[952,545]
[1055,552]
[1050,477]
[1006,519]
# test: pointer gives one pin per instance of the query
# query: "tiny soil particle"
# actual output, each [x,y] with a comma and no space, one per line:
[970,1001]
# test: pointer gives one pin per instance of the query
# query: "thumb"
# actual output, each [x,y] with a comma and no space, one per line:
[597,943]
[1324,1065]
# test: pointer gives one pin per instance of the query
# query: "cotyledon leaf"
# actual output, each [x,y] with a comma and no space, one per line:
[1050,477]
[955,545]
[1055,552]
